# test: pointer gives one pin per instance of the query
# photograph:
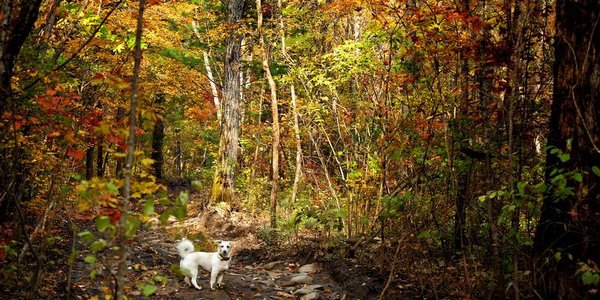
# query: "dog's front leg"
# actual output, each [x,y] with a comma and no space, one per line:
[213,278]
[220,280]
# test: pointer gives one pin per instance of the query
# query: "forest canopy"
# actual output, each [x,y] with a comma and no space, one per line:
[446,149]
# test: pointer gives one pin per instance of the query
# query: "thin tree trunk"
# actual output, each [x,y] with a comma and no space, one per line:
[89,163]
[298,171]
[158,137]
[213,86]
[485,99]
[50,19]
[121,238]
[100,158]
[275,116]
[178,157]
[463,177]
[119,165]
[257,147]
[211,78]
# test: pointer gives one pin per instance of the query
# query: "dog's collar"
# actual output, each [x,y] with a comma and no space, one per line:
[223,257]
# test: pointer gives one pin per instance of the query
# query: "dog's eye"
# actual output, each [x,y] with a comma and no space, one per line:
[227,247]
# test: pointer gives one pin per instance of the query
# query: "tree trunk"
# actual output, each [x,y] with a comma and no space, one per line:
[119,165]
[213,85]
[121,237]
[50,19]
[298,170]
[569,223]
[211,78]
[100,151]
[461,200]
[275,115]
[485,90]
[158,137]
[100,158]
[178,156]
[16,22]
[89,163]
[223,185]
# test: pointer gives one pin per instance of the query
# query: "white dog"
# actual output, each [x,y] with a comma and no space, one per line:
[214,262]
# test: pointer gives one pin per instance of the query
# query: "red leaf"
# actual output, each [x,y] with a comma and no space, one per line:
[76,154]
[84,217]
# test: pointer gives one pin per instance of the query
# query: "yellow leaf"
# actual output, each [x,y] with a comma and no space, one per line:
[146,162]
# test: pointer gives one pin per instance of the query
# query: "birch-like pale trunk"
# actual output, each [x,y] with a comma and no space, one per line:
[211,78]
[275,115]
[213,85]
[298,172]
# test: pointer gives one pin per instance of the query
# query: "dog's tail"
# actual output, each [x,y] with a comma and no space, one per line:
[184,248]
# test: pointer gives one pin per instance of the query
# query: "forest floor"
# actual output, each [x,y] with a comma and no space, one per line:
[300,270]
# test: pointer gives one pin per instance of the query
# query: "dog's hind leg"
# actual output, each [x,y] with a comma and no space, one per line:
[187,281]
[194,275]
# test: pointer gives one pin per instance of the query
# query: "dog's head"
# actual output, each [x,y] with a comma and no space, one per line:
[224,248]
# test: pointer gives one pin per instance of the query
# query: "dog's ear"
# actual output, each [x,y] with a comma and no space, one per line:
[218,242]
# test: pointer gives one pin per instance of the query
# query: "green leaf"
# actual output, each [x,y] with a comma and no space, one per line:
[10,250]
[148,207]
[424,235]
[86,236]
[161,279]
[102,223]
[149,289]
[179,213]
[183,198]
[564,157]
[521,187]
[578,177]
[131,227]
[164,201]
[93,274]
[596,170]
[90,259]
[112,188]
[197,185]
[590,278]
[540,187]
[98,245]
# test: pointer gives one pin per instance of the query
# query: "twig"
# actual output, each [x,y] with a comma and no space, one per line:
[76,53]
[33,251]
[392,271]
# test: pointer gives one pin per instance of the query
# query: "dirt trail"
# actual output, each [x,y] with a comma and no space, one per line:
[256,272]
[259,274]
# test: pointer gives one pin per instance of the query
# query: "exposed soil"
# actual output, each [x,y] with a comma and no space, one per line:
[257,271]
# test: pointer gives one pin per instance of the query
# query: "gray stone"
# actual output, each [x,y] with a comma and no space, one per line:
[301,279]
[308,289]
[275,275]
[310,268]
[315,286]
[310,296]
[273,265]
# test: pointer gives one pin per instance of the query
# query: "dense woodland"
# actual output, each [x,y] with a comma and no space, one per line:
[451,144]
